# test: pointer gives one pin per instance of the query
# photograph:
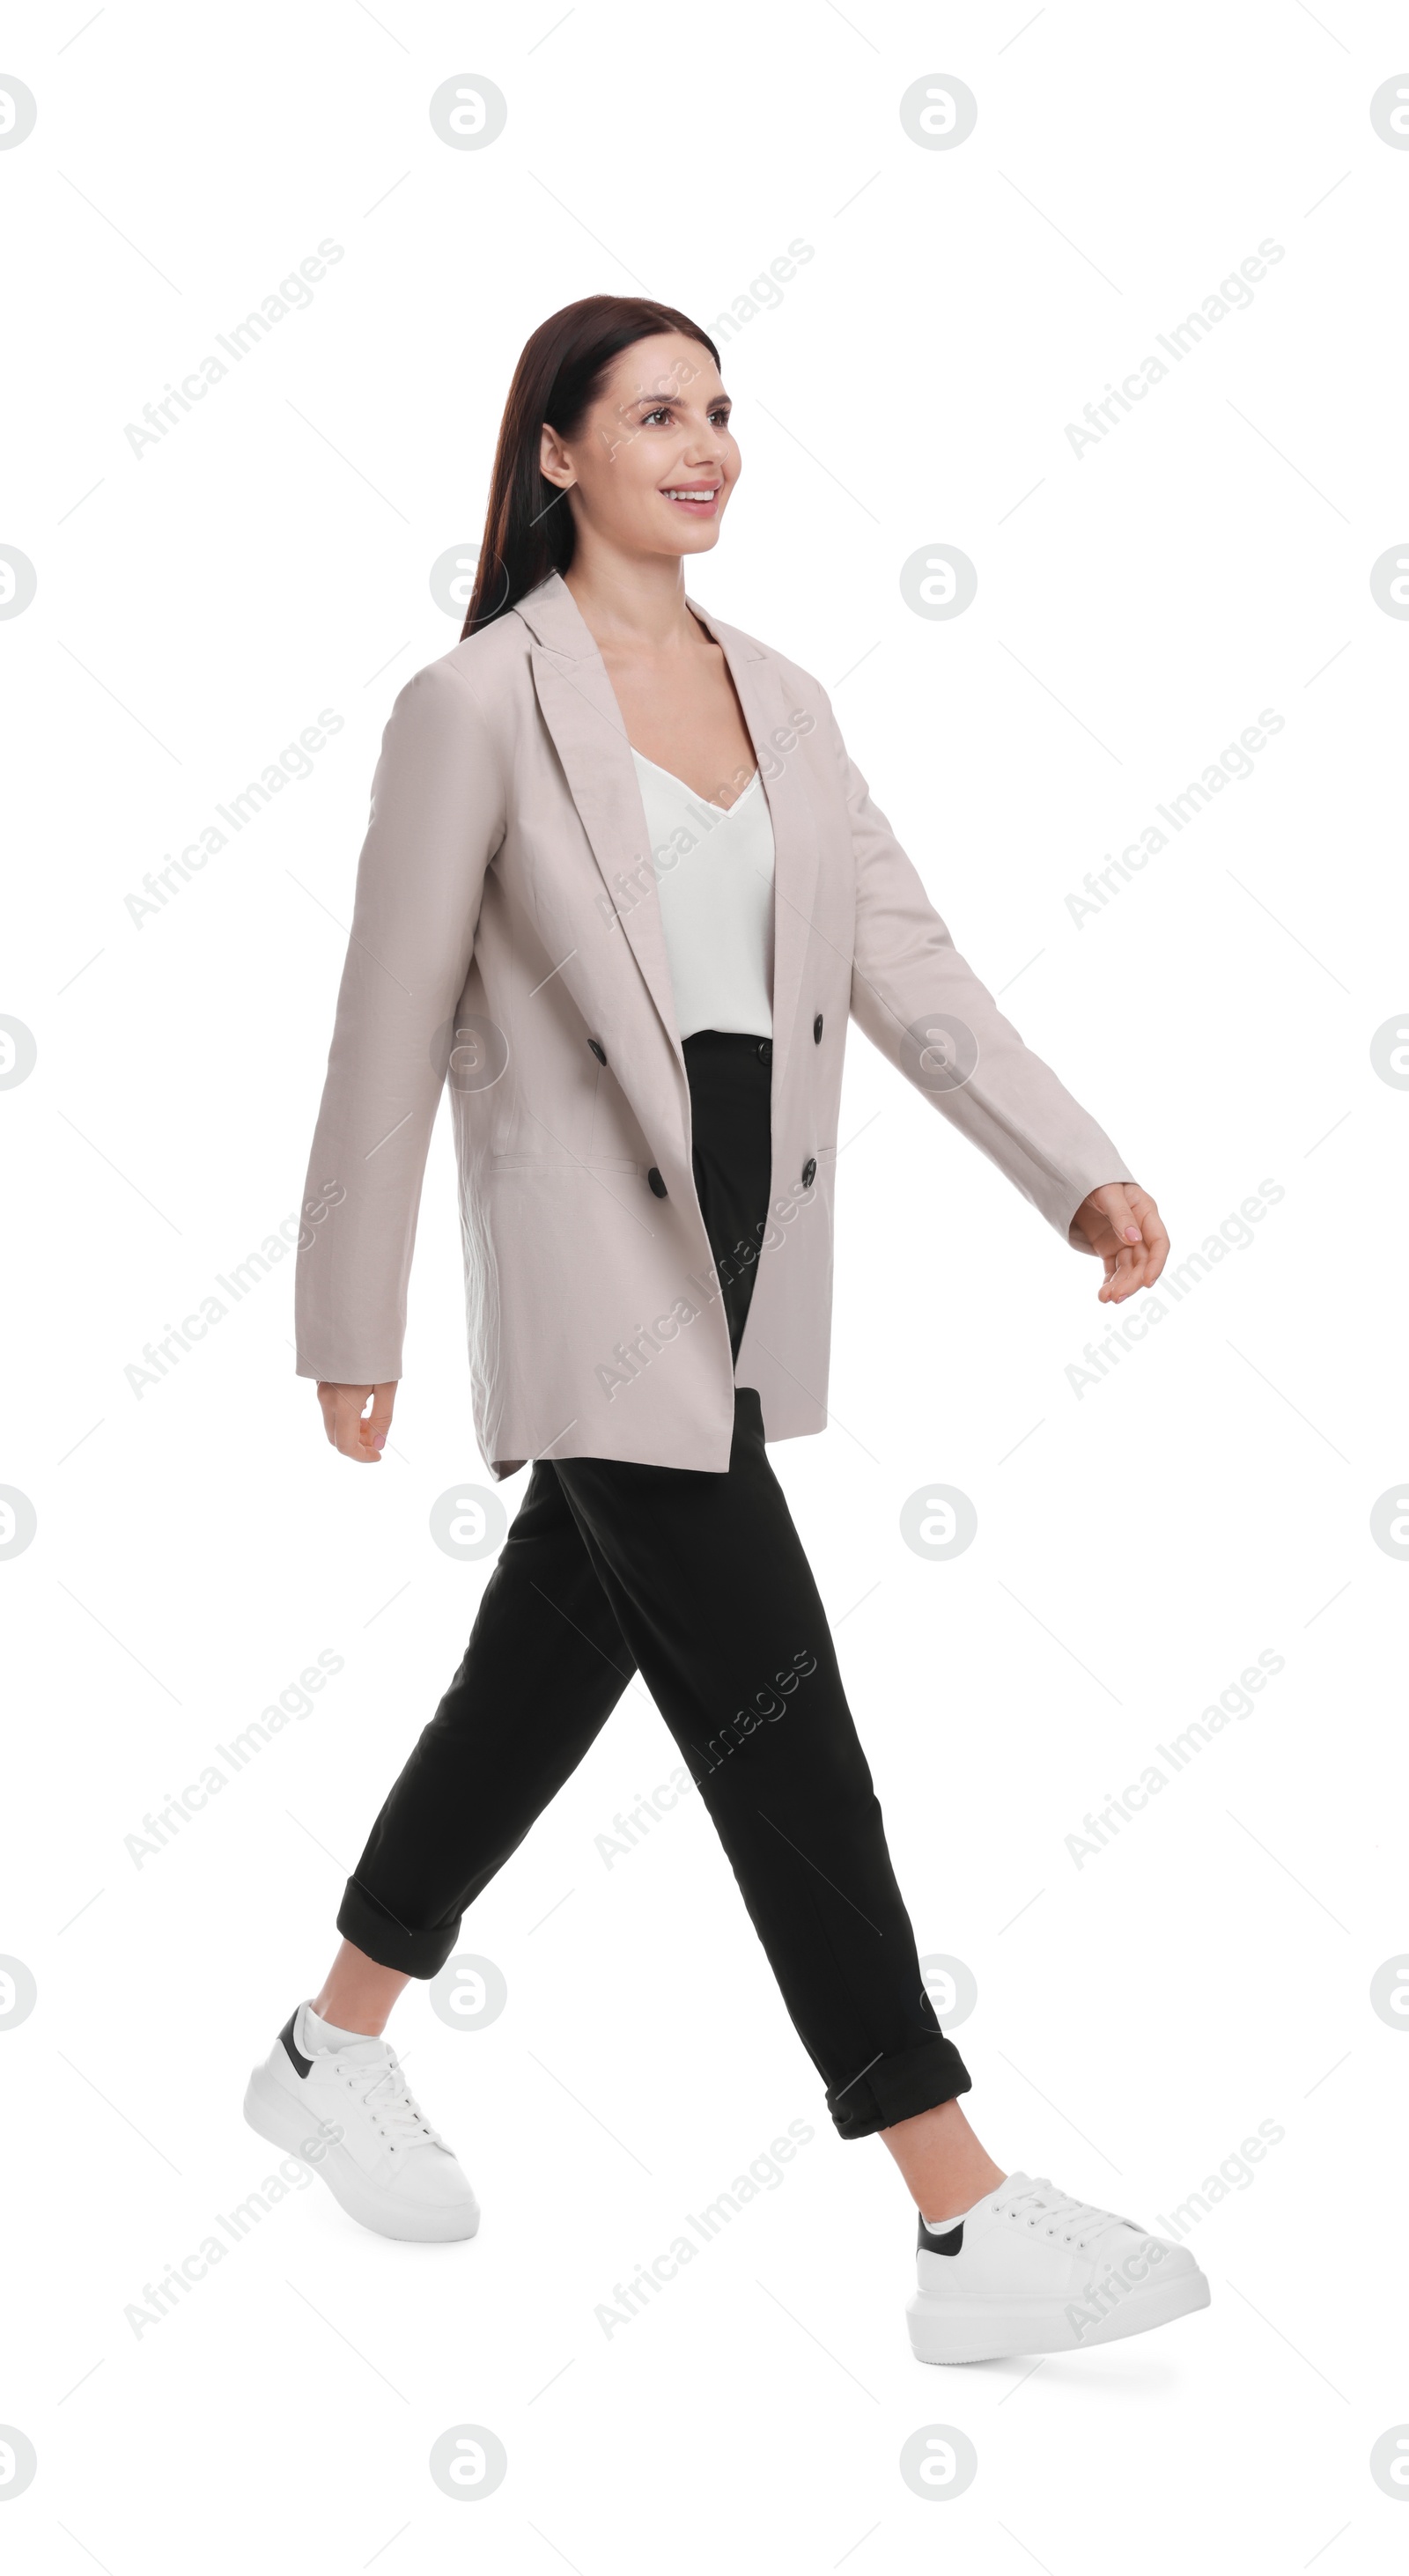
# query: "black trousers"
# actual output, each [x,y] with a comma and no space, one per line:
[698,1581]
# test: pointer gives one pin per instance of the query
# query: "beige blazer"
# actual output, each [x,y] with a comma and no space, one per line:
[507,940]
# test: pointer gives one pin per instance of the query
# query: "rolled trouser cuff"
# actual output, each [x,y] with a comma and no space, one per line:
[369,1926]
[898,2088]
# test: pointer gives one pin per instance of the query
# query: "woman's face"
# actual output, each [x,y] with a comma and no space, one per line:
[658,430]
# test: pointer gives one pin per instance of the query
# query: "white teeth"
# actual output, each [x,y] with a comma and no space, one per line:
[691,496]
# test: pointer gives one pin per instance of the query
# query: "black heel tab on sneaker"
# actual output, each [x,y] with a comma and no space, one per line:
[301,2065]
[950,2242]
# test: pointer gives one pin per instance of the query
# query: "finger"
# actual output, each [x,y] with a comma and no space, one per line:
[377,1423]
[1144,1244]
[1111,1218]
[1149,1255]
[348,1442]
[1121,1199]
[1127,1274]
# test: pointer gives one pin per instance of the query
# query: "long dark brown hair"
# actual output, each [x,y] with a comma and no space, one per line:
[528,526]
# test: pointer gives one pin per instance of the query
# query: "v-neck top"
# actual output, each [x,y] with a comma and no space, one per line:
[713,867]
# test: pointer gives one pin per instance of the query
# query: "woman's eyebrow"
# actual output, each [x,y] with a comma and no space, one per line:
[653,401]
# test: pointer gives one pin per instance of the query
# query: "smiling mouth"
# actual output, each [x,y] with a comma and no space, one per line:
[701,497]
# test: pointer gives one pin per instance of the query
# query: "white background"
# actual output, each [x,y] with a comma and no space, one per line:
[1139,1543]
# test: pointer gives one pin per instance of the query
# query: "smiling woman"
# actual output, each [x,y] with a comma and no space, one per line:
[641,1114]
[639,434]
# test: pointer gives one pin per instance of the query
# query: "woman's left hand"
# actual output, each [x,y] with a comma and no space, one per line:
[1122,1223]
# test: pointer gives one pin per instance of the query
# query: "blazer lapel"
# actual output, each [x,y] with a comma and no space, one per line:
[581,713]
[580,709]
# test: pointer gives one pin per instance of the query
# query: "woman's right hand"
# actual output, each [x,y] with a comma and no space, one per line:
[343,1418]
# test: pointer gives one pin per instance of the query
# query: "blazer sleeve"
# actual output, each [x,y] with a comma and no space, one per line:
[926,1010]
[437,818]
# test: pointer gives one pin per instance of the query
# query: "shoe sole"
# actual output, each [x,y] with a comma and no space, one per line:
[270,2110]
[948,2330]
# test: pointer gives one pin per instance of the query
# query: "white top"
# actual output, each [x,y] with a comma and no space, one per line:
[713,869]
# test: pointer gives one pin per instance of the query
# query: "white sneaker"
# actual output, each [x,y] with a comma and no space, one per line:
[347,2111]
[1032,2270]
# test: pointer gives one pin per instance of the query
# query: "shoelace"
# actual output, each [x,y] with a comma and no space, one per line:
[1072,2219]
[387,2095]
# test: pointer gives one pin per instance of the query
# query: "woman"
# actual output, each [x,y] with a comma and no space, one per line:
[623,886]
